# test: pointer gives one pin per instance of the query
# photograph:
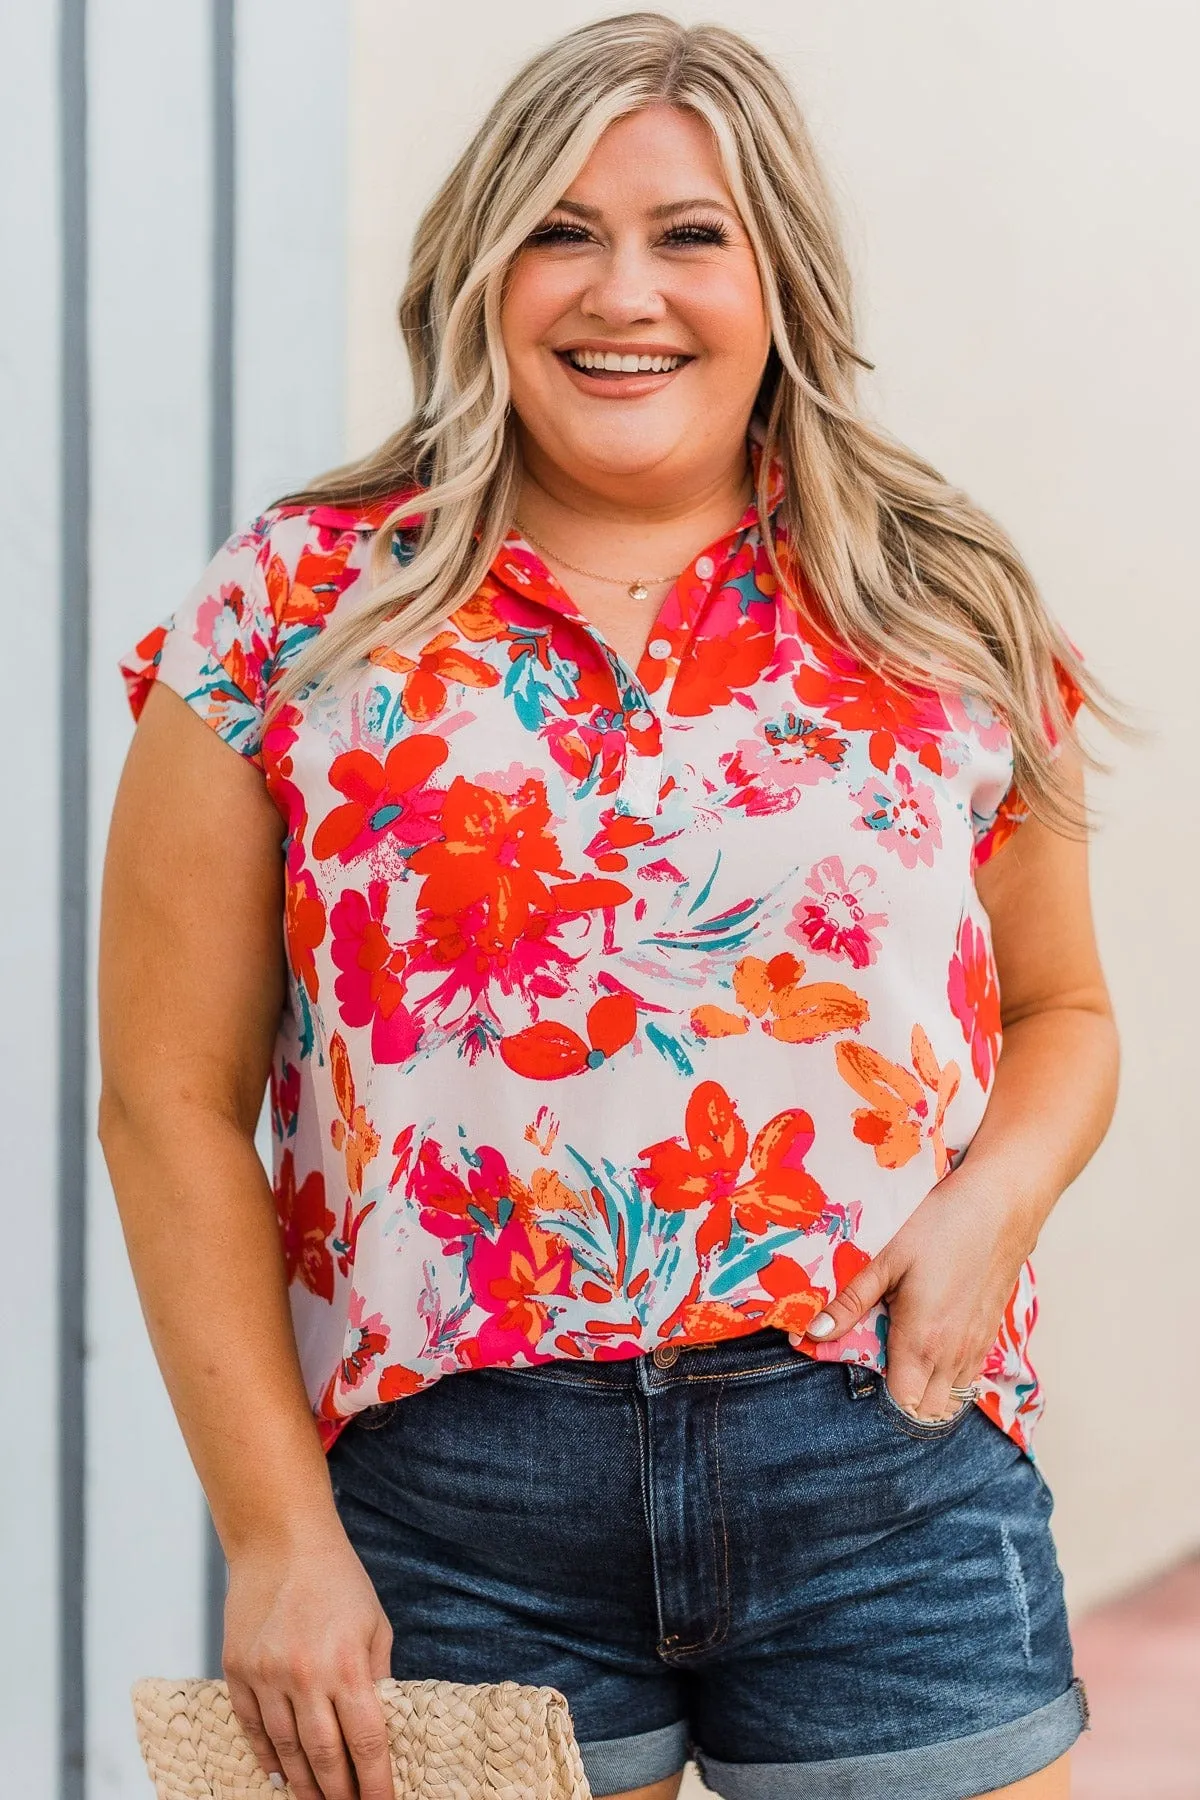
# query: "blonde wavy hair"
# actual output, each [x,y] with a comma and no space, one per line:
[908,573]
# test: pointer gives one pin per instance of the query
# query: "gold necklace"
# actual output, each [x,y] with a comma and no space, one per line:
[638,589]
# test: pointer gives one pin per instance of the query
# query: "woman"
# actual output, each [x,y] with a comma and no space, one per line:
[628,748]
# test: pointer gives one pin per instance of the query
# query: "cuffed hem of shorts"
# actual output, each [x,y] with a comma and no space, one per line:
[613,1765]
[957,1769]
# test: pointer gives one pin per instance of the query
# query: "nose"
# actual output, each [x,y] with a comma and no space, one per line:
[623,290]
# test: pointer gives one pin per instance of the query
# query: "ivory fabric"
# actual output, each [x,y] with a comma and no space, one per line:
[626,1007]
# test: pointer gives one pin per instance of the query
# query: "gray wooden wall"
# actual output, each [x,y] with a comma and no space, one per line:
[172,224]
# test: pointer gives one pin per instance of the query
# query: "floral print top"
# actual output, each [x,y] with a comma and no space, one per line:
[626,1007]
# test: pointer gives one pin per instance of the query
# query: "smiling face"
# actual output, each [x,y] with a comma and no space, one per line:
[633,317]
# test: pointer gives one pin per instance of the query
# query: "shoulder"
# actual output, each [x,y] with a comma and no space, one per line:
[306,555]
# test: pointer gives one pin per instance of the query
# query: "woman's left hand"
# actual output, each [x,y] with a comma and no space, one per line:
[946,1276]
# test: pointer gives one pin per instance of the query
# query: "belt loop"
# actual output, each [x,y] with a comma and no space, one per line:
[863,1380]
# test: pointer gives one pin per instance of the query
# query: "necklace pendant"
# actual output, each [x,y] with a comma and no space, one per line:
[638,590]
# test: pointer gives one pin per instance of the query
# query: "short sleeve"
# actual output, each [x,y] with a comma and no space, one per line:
[1013,809]
[217,647]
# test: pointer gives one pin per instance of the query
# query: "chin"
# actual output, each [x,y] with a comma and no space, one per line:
[622,453]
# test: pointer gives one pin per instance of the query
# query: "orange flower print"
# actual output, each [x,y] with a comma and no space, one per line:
[305,1224]
[382,799]
[773,993]
[974,994]
[304,924]
[547,1051]
[424,693]
[894,1120]
[706,1170]
[310,595]
[353,1133]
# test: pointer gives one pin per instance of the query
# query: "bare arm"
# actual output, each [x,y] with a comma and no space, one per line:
[191,982]
[949,1271]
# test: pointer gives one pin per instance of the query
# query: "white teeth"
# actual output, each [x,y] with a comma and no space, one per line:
[612,360]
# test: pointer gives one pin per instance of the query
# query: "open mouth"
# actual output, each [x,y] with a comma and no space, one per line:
[613,366]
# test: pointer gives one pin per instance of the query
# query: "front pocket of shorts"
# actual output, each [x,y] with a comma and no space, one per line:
[900,1420]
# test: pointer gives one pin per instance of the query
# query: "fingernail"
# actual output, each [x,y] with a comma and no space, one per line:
[822,1325]
[276,1779]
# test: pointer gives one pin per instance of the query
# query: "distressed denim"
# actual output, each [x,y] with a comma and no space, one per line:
[746,1556]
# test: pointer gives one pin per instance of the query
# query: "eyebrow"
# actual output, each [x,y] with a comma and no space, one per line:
[655,212]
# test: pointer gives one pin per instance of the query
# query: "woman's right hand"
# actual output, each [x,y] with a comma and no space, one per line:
[305,1641]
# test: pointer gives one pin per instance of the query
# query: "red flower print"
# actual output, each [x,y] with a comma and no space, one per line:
[705,1170]
[382,799]
[489,909]
[861,700]
[366,1339]
[396,1382]
[305,1225]
[493,850]
[516,1275]
[974,994]
[717,666]
[345,1245]
[370,988]
[546,1051]
[836,922]
[452,1208]
[304,925]
[796,1301]
[424,693]
[794,1012]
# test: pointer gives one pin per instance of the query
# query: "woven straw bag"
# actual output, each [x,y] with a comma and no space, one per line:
[448,1742]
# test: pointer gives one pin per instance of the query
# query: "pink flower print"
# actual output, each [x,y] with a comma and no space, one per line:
[974,994]
[515,1278]
[788,754]
[365,1340]
[971,716]
[903,815]
[370,988]
[836,922]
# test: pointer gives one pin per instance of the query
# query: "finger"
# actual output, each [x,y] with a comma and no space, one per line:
[911,1362]
[853,1301]
[324,1745]
[364,1728]
[937,1402]
[279,1718]
[248,1716]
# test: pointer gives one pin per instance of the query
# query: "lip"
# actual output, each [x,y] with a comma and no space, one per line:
[621,387]
[622,349]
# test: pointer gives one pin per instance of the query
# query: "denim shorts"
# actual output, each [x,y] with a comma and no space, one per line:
[731,1552]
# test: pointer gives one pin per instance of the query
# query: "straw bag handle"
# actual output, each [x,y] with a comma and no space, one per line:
[448,1741]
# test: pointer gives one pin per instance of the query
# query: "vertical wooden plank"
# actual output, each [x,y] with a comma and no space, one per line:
[149,208]
[292,67]
[31,403]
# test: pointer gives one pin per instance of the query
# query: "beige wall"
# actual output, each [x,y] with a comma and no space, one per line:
[1018,182]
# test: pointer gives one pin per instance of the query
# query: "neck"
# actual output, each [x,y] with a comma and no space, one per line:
[637,521]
